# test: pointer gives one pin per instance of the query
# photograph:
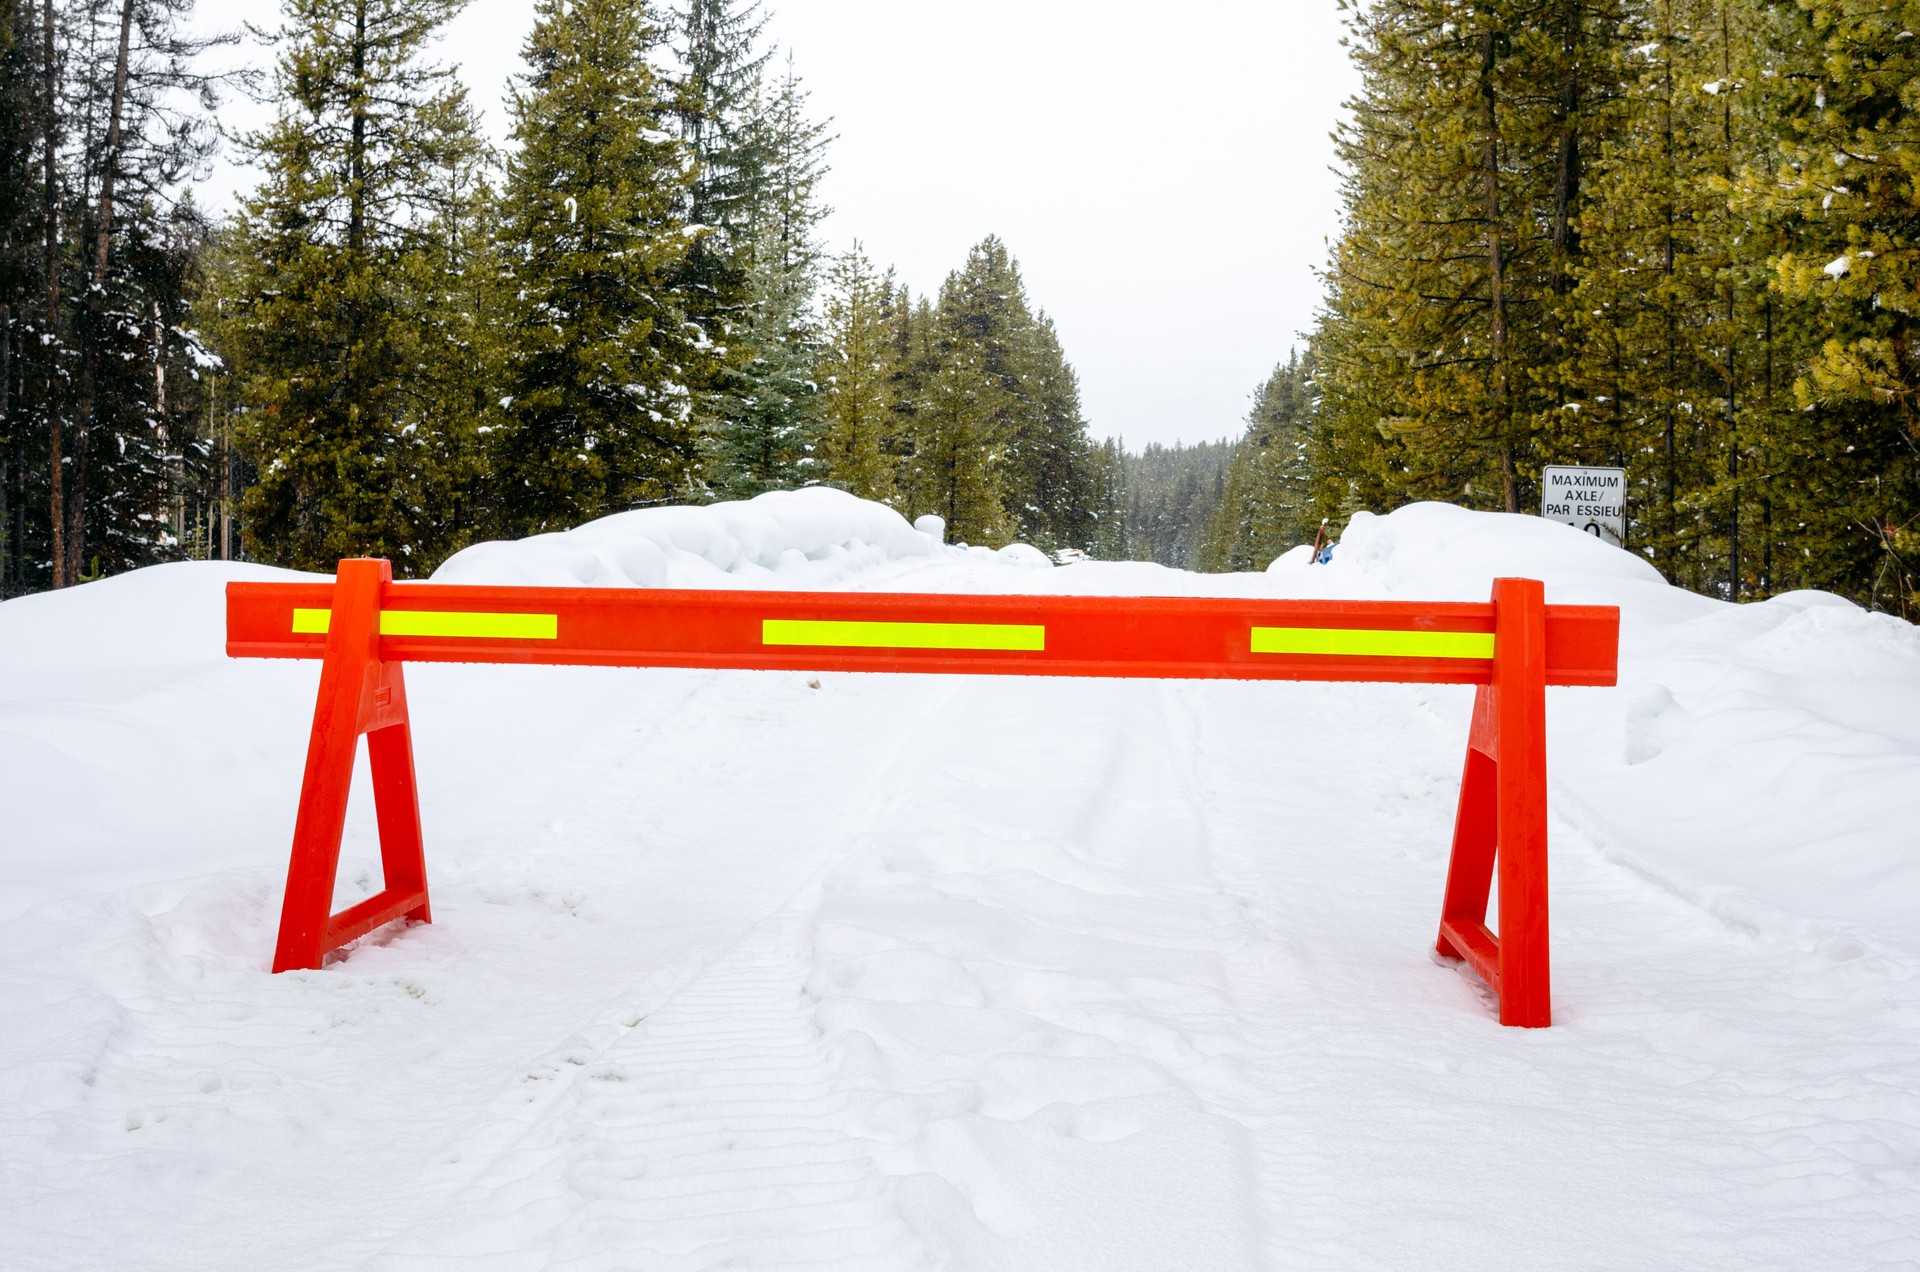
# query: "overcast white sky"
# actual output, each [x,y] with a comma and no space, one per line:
[1160,171]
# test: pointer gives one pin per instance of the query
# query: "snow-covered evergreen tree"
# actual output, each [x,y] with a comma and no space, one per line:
[857,379]
[720,108]
[763,421]
[766,424]
[601,355]
[332,265]
[959,437]
[1268,504]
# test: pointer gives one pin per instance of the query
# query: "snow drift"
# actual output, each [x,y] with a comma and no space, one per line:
[759,969]
[791,539]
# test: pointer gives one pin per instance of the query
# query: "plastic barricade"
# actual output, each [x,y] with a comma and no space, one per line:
[364,627]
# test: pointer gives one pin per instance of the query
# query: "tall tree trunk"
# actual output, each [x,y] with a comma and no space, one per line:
[1566,183]
[9,546]
[50,245]
[1733,460]
[13,520]
[93,332]
[222,431]
[1766,449]
[1566,189]
[1667,267]
[110,163]
[357,148]
[696,121]
[1497,274]
[353,361]
[174,456]
[17,527]
[1730,233]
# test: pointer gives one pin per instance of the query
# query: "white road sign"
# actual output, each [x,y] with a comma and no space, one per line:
[1589,499]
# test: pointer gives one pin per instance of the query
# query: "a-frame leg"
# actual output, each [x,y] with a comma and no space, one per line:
[1502,819]
[358,694]
[1476,833]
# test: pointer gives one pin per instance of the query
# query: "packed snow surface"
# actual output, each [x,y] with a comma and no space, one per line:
[736,969]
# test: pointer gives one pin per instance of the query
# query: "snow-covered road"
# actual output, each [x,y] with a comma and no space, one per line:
[773,970]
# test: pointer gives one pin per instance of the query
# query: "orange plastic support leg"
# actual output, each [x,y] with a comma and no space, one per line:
[1502,820]
[359,694]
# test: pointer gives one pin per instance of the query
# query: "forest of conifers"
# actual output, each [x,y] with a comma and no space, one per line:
[402,341]
[1674,235]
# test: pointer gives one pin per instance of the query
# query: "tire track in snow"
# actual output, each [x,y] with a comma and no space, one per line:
[1690,1067]
[711,1133]
[701,1126]
[1022,972]
[1324,803]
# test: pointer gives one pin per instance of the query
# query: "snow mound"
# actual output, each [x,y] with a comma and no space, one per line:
[1434,551]
[97,640]
[787,539]
[1020,555]
[1297,557]
[738,969]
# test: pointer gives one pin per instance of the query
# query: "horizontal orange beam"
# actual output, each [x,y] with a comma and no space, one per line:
[1169,637]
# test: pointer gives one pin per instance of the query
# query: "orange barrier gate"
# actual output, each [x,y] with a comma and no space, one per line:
[364,627]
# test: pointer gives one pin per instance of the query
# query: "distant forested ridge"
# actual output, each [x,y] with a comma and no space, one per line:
[1681,236]
[1172,499]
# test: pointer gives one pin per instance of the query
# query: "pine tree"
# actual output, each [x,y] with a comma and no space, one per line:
[857,379]
[984,327]
[50,338]
[1041,446]
[131,421]
[17,130]
[1640,295]
[721,112]
[602,355]
[765,431]
[103,112]
[763,424]
[1445,332]
[1058,461]
[1848,186]
[788,211]
[1669,234]
[149,456]
[1672,305]
[720,107]
[956,410]
[1107,500]
[457,289]
[1268,502]
[327,328]
[967,408]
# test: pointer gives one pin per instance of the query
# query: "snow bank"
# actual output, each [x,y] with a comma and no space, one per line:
[1783,736]
[758,969]
[99,639]
[793,539]
[1440,552]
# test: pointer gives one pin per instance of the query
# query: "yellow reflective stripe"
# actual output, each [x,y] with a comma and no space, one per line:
[1339,640]
[442,623]
[801,631]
